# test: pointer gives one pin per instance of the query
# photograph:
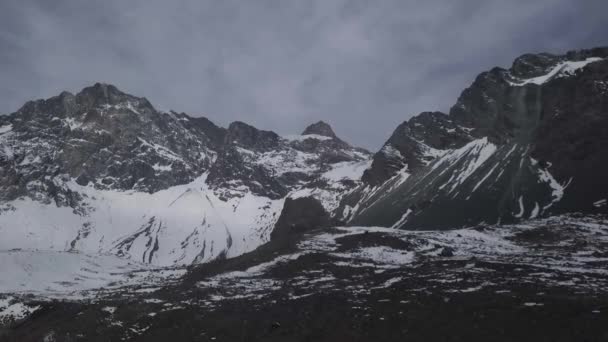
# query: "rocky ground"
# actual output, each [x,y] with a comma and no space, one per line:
[543,280]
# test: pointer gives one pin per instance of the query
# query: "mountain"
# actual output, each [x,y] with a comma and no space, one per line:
[122,222]
[520,143]
[105,172]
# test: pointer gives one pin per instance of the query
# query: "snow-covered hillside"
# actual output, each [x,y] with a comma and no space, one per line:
[179,225]
[103,172]
[65,275]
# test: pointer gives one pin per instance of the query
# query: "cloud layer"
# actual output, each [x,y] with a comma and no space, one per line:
[364,66]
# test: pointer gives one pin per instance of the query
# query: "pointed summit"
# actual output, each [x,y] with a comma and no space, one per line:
[320,128]
[102,90]
[101,93]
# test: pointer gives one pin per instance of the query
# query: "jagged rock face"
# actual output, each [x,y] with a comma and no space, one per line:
[274,166]
[572,137]
[246,136]
[415,144]
[320,128]
[231,169]
[494,108]
[533,65]
[103,171]
[104,137]
[519,143]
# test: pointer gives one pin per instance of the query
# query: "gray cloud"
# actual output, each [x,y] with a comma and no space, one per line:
[364,66]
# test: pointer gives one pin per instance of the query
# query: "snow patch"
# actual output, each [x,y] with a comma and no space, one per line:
[347,170]
[391,152]
[600,203]
[109,309]
[162,168]
[13,311]
[383,255]
[535,211]
[162,151]
[6,129]
[557,189]
[306,137]
[29,159]
[563,69]
[521,207]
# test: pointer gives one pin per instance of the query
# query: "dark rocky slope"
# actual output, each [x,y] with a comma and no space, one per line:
[104,137]
[508,283]
[519,143]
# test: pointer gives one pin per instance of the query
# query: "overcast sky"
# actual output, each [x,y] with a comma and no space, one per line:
[363,66]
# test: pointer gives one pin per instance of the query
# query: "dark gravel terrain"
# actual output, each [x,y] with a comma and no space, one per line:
[543,280]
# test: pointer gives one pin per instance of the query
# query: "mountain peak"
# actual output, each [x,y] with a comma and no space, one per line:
[320,128]
[102,93]
[102,89]
[246,135]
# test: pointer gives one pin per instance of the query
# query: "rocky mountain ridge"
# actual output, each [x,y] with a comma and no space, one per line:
[115,175]
[519,143]
[122,222]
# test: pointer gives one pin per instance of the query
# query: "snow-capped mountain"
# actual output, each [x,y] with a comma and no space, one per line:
[121,222]
[526,142]
[104,172]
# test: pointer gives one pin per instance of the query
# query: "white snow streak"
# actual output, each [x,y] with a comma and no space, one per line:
[521,207]
[306,137]
[563,69]
[402,219]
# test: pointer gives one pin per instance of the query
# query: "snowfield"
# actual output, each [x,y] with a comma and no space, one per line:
[181,225]
[75,276]
[177,226]
[70,275]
